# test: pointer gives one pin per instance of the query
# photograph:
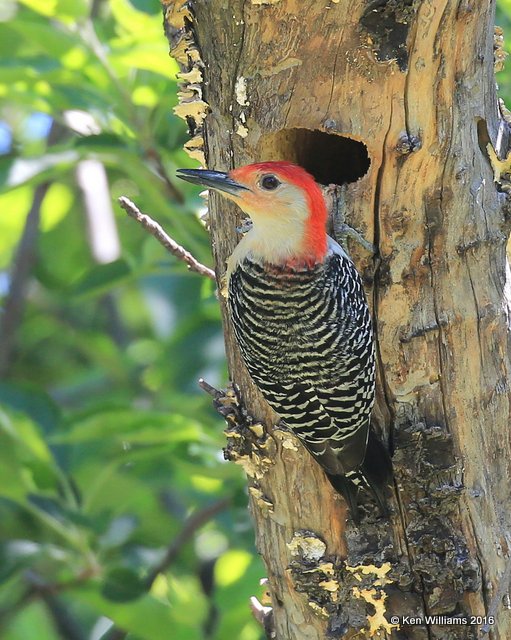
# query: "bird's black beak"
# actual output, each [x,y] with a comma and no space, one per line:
[212,180]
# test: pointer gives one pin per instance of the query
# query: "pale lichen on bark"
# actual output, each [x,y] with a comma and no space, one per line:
[191,105]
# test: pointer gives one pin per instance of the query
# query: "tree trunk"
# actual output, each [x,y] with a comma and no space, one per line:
[396,100]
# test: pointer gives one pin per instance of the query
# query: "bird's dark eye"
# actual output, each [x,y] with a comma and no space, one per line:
[269,182]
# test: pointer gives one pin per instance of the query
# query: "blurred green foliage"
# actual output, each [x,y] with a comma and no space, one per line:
[107,448]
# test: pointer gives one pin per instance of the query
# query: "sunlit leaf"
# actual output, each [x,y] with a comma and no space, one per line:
[145,96]
[14,205]
[131,426]
[133,21]
[67,8]
[231,566]
[55,206]
[150,57]
[21,430]
[48,8]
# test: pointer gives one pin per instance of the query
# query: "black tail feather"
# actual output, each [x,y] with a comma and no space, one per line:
[374,475]
[349,492]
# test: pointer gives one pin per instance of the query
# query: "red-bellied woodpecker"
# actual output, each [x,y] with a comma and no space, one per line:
[302,322]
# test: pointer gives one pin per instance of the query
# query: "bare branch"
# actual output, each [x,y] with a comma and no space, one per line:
[205,386]
[263,615]
[164,239]
[194,522]
[20,274]
[67,627]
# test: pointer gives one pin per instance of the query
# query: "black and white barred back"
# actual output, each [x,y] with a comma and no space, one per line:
[306,337]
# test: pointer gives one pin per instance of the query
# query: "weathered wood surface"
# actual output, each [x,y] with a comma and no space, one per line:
[413,81]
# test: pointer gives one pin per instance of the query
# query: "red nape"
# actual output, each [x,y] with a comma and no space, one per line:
[315,240]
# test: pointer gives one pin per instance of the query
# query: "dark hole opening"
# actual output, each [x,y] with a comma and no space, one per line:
[330,158]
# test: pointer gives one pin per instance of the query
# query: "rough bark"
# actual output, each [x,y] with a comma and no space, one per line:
[396,99]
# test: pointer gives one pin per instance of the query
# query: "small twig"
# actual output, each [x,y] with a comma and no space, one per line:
[211,391]
[66,625]
[95,9]
[226,402]
[164,239]
[496,601]
[23,264]
[263,615]
[194,522]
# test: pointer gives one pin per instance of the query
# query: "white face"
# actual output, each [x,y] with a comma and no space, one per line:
[268,196]
[279,216]
[286,207]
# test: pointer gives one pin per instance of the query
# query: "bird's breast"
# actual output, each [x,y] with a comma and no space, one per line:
[292,324]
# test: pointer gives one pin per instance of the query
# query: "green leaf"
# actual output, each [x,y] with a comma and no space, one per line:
[21,430]
[15,206]
[147,617]
[17,171]
[119,531]
[59,512]
[56,205]
[231,566]
[123,585]
[26,463]
[33,401]
[59,8]
[17,555]
[150,56]
[131,426]
[132,21]
[102,277]
[47,8]
[32,622]
[14,481]
[53,40]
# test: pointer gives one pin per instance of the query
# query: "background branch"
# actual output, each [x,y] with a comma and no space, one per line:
[22,266]
[19,277]
[194,522]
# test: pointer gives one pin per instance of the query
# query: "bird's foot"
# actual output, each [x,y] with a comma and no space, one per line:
[344,231]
